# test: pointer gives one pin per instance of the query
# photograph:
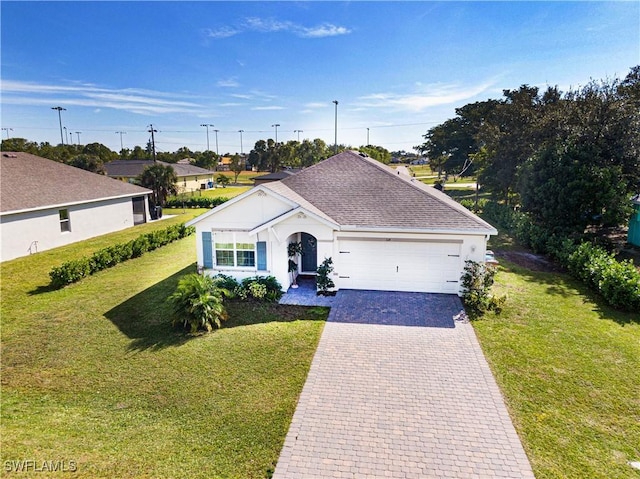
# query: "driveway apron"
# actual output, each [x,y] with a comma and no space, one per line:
[398,389]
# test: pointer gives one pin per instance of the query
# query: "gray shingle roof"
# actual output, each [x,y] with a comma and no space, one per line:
[359,191]
[31,182]
[132,168]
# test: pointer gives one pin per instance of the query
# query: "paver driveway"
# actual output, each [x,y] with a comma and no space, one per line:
[398,389]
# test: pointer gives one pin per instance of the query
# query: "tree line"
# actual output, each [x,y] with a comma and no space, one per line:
[570,160]
[266,155]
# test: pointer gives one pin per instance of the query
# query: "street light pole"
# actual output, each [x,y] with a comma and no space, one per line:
[298,132]
[217,152]
[78,133]
[7,130]
[336,129]
[121,133]
[59,108]
[207,125]
[276,125]
[65,134]
[241,152]
[368,137]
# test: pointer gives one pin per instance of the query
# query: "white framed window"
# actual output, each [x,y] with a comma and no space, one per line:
[233,253]
[65,221]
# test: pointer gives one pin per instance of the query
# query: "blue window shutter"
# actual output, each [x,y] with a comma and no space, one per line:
[207,250]
[262,255]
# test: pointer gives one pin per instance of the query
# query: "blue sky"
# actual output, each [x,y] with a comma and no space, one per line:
[397,68]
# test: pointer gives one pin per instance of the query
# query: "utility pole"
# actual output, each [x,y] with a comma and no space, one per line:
[276,125]
[153,141]
[121,133]
[207,125]
[298,132]
[59,108]
[78,133]
[368,137]
[217,152]
[7,130]
[335,148]
[65,134]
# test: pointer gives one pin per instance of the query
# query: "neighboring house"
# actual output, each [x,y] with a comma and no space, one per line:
[633,237]
[224,164]
[383,231]
[45,204]
[190,177]
[268,178]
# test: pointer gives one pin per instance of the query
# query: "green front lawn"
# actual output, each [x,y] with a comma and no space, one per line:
[569,368]
[93,373]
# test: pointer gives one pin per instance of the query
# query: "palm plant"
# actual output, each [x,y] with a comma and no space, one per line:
[198,303]
[161,179]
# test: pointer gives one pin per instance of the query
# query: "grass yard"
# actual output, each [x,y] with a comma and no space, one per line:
[228,192]
[245,177]
[569,368]
[93,373]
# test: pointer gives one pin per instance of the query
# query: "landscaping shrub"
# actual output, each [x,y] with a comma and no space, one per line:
[195,202]
[70,272]
[618,282]
[476,282]
[75,270]
[264,288]
[198,303]
[227,282]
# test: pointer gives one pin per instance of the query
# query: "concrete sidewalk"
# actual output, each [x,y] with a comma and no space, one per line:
[400,400]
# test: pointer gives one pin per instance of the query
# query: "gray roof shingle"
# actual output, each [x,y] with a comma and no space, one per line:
[30,182]
[359,191]
[132,168]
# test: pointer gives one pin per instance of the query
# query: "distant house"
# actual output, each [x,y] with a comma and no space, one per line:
[634,222]
[190,177]
[224,164]
[45,204]
[383,231]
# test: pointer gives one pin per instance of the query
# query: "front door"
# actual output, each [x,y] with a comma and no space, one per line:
[309,253]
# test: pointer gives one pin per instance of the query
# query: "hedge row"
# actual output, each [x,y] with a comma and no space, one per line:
[74,270]
[195,202]
[617,282]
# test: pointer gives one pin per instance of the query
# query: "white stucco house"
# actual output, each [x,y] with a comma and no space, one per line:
[45,204]
[383,230]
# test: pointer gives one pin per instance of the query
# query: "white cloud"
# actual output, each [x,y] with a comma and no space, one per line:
[266,108]
[428,96]
[228,83]
[324,30]
[134,100]
[316,104]
[272,25]
[222,32]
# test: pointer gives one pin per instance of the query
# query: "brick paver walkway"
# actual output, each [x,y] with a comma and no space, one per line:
[404,398]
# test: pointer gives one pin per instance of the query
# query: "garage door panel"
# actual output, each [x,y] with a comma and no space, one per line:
[399,266]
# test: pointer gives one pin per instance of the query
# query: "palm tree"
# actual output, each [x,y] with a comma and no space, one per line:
[161,180]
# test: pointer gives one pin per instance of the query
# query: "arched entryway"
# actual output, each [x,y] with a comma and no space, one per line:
[309,253]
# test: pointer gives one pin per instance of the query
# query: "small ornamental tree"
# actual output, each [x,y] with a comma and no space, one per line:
[476,282]
[323,281]
[293,250]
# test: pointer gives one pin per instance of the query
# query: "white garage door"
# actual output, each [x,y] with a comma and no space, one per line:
[399,265]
